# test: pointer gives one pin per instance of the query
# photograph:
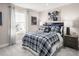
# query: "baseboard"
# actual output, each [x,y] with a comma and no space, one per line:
[4,45]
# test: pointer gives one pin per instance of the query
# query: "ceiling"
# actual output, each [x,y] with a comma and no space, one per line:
[40,6]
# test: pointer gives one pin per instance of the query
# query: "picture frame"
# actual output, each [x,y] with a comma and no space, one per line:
[0,18]
[33,20]
[54,16]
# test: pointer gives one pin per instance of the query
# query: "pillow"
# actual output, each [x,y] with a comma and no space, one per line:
[47,29]
[56,29]
[53,28]
[42,28]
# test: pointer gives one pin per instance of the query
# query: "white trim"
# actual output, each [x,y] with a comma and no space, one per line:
[4,45]
[54,21]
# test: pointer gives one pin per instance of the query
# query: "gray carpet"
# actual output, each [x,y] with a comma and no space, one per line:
[17,50]
[65,51]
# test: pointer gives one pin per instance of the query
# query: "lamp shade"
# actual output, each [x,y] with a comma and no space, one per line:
[67,30]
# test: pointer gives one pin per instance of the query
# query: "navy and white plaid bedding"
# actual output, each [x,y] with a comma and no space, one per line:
[41,42]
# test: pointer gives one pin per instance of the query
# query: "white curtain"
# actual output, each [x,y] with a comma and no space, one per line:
[12,25]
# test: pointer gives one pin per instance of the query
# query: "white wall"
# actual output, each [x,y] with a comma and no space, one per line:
[43,17]
[33,28]
[69,14]
[4,29]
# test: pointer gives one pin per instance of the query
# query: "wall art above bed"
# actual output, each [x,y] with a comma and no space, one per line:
[54,16]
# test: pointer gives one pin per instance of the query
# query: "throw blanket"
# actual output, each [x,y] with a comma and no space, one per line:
[40,42]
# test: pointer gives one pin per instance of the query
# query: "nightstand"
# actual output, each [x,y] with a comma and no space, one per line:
[71,41]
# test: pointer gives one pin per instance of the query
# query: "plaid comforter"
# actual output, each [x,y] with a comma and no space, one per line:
[40,42]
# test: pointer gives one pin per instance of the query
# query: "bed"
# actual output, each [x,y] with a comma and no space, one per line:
[45,42]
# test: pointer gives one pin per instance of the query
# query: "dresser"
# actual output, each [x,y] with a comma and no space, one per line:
[71,41]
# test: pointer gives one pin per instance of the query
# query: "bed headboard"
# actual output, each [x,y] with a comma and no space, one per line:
[56,24]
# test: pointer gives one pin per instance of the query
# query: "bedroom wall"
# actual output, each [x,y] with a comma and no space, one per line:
[4,29]
[33,28]
[43,17]
[69,14]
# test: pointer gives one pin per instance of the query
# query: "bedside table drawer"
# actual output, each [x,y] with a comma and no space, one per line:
[71,42]
[70,39]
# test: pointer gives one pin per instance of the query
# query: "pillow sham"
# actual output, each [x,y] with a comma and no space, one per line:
[56,29]
[47,29]
[41,28]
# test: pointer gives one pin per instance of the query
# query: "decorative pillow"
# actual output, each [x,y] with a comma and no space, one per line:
[53,28]
[42,28]
[47,29]
[56,29]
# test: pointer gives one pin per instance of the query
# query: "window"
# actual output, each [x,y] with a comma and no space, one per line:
[20,22]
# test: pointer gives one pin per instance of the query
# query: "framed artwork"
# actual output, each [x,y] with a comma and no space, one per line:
[33,20]
[54,15]
[0,18]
